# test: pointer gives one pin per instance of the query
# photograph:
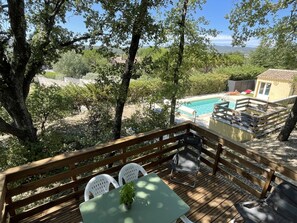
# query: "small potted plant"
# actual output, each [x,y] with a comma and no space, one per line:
[127,194]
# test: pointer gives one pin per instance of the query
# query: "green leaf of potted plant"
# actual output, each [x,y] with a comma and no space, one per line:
[127,194]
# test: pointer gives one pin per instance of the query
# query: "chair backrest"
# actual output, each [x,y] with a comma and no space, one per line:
[99,185]
[130,172]
[283,200]
[194,142]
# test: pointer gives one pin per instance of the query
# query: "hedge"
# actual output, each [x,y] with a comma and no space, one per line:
[245,72]
[143,90]
[207,84]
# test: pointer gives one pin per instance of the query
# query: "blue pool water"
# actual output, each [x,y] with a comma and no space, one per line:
[205,106]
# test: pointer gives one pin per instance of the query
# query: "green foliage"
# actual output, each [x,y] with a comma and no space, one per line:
[12,153]
[153,52]
[4,114]
[232,59]
[99,100]
[153,90]
[89,94]
[47,104]
[144,90]
[274,56]
[91,76]
[147,120]
[94,58]
[53,75]
[246,72]
[100,121]
[127,193]
[71,64]
[256,18]
[207,84]
[54,141]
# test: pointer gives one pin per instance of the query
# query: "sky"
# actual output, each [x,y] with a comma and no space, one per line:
[214,11]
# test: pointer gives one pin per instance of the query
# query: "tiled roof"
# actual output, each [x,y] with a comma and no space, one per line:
[277,74]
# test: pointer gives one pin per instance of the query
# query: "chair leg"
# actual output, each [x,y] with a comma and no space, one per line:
[183,183]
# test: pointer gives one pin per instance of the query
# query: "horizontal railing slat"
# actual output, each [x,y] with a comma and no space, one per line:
[240,183]
[242,172]
[246,163]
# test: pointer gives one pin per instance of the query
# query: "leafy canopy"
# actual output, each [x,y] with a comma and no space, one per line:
[264,18]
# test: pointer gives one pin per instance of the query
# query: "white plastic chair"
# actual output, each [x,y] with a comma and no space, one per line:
[99,185]
[130,172]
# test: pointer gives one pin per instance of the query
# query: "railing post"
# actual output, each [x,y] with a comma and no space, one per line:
[124,160]
[217,158]
[3,190]
[160,148]
[266,187]
[74,178]
[11,210]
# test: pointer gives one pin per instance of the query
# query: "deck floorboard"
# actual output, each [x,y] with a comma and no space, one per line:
[212,200]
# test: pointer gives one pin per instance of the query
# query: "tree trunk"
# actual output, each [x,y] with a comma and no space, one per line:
[22,126]
[126,77]
[179,61]
[289,125]
[14,84]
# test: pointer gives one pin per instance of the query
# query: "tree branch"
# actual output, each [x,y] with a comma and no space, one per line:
[18,27]
[77,39]
[9,129]
[37,64]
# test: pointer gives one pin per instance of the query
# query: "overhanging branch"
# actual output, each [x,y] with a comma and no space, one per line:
[77,39]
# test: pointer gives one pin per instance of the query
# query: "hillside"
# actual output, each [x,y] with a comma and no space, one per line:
[229,49]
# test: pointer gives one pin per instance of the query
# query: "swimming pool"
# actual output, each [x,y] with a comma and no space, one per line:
[204,106]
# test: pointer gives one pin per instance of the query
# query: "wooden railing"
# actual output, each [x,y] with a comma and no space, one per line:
[256,116]
[33,188]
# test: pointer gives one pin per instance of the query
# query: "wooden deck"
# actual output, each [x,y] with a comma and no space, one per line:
[212,200]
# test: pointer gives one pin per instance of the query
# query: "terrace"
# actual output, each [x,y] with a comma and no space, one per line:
[250,117]
[50,190]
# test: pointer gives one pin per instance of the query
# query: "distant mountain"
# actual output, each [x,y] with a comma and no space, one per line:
[230,49]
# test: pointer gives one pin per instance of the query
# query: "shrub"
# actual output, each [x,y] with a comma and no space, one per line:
[146,120]
[53,75]
[246,72]
[91,76]
[143,90]
[89,94]
[48,104]
[207,84]
[71,64]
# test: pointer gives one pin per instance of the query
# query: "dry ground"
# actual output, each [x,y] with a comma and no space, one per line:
[282,152]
